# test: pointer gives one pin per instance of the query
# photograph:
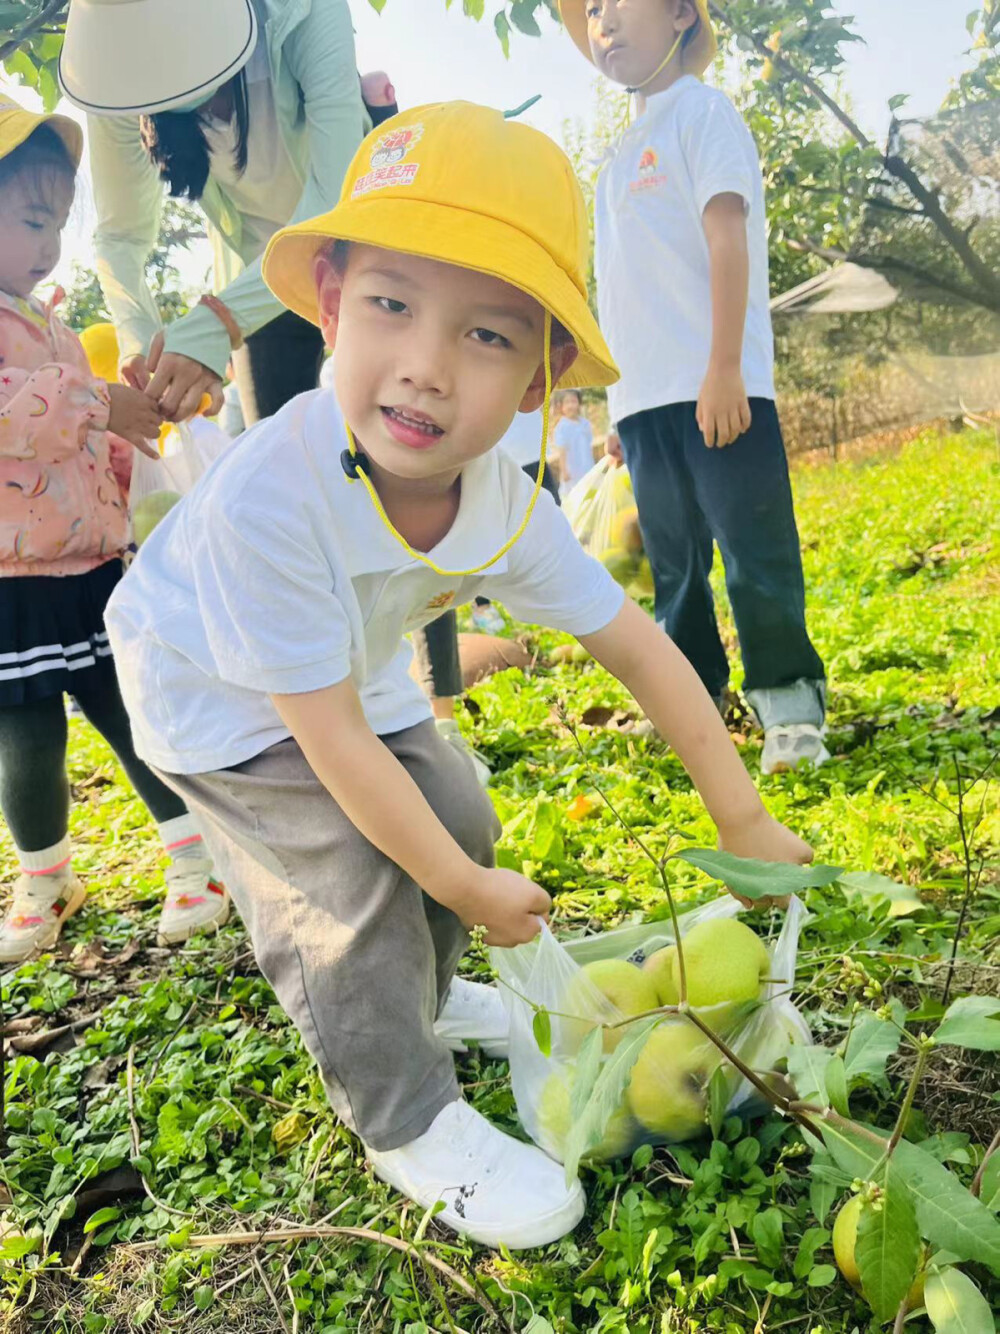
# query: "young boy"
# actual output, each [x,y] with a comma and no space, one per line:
[261,629]
[574,442]
[682,273]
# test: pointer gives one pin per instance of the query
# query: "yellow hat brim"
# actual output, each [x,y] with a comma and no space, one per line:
[17,125]
[698,54]
[435,231]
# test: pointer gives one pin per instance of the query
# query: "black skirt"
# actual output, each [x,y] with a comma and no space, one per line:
[52,635]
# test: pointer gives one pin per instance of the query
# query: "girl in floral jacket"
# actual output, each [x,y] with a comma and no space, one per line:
[63,529]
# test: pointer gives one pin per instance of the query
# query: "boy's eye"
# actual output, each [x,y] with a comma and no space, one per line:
[491,338]
[389,304]
[35,226]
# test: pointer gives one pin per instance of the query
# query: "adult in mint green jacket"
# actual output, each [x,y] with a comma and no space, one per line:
[252,107]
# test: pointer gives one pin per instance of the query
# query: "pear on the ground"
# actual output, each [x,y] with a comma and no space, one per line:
[845,1240]
[554,1121]
[660,968]
[668,1090]
[628,989]
[724,961]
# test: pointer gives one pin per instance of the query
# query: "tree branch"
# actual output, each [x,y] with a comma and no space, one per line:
[55,10]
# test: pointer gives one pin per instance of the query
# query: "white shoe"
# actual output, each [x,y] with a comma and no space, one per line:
[473,1012]
[448,730]
[195,901]
[495,1189]
[42,903]
[785,748]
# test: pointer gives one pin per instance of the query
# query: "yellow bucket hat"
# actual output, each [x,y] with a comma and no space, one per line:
[697,54]
[459,183]
[16,125]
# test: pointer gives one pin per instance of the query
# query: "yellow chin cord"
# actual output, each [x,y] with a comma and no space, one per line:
[660,67]
[356,467]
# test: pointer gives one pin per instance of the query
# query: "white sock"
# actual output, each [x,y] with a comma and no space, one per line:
[48,861]
[181,838]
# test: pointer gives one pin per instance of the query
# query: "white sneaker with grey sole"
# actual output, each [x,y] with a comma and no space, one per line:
[495,1190]
[473,1012]
[786,747]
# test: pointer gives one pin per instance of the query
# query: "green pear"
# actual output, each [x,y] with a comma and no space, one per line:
[660,967]
[149,511]
[667,1093]
[628,988]
[845,1239]
[724,961]
[554,1121]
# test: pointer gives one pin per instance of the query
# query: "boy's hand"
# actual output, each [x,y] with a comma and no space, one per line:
[507,904]
[135,417]
[767,840]
[723,411]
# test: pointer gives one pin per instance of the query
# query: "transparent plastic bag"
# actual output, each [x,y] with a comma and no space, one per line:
[188,451]
[602,513]
[654,1076]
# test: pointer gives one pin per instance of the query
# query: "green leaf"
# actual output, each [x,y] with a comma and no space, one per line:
[768,1231]
[870,1045]
[588,1067]
[718,1099]
[501,27]
[541,1028]
[973,1022]
[812,1239]
[947,1214]
[16,1248]
[101,1217]
[143,1311]
[888,1247]
[989,1192]
[821,1197]
[902,899]
[523,19]
[753,879]
[588,1129]
[836,1086]
[807,1067]
[955,1305]
[538,1325]
[822,1276]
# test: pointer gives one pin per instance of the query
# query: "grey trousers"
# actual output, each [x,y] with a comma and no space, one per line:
[358,956]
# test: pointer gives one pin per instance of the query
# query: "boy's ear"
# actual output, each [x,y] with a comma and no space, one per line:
[561,357]
[687,16]
[329,291]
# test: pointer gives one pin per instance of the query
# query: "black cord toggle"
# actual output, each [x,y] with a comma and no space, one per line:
[353,464]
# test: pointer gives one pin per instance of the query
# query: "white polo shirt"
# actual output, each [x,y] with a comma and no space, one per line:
[651,256]
[276,576]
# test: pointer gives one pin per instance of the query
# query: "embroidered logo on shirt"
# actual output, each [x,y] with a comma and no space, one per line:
[648,178]
[388,167]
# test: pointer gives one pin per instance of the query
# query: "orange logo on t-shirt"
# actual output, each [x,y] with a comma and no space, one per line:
[648,178]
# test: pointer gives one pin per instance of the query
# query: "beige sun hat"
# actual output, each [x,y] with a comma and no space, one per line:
[143,56]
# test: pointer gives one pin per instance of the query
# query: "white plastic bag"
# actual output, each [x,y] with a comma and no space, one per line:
[549,974]
[188,451]
[602,512]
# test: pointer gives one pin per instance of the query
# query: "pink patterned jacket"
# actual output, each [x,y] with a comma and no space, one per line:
[62,504]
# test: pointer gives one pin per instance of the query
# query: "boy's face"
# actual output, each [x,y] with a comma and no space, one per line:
[32,216]
[629,38]
[432,361]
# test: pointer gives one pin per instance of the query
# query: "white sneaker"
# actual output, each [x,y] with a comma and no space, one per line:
[495,1189]
[448,730]
[195,901]
[785,748]
[42,903]
[473,1012]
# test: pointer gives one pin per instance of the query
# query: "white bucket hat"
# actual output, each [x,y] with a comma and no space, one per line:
[143,56]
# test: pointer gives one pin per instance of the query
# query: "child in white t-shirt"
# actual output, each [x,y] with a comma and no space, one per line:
[261,639]
[574,442]
[682,277]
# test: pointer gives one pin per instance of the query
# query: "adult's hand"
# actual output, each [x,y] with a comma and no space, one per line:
[179,383]
[134,371]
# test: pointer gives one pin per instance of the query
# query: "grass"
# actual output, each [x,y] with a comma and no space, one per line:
[188,1078]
